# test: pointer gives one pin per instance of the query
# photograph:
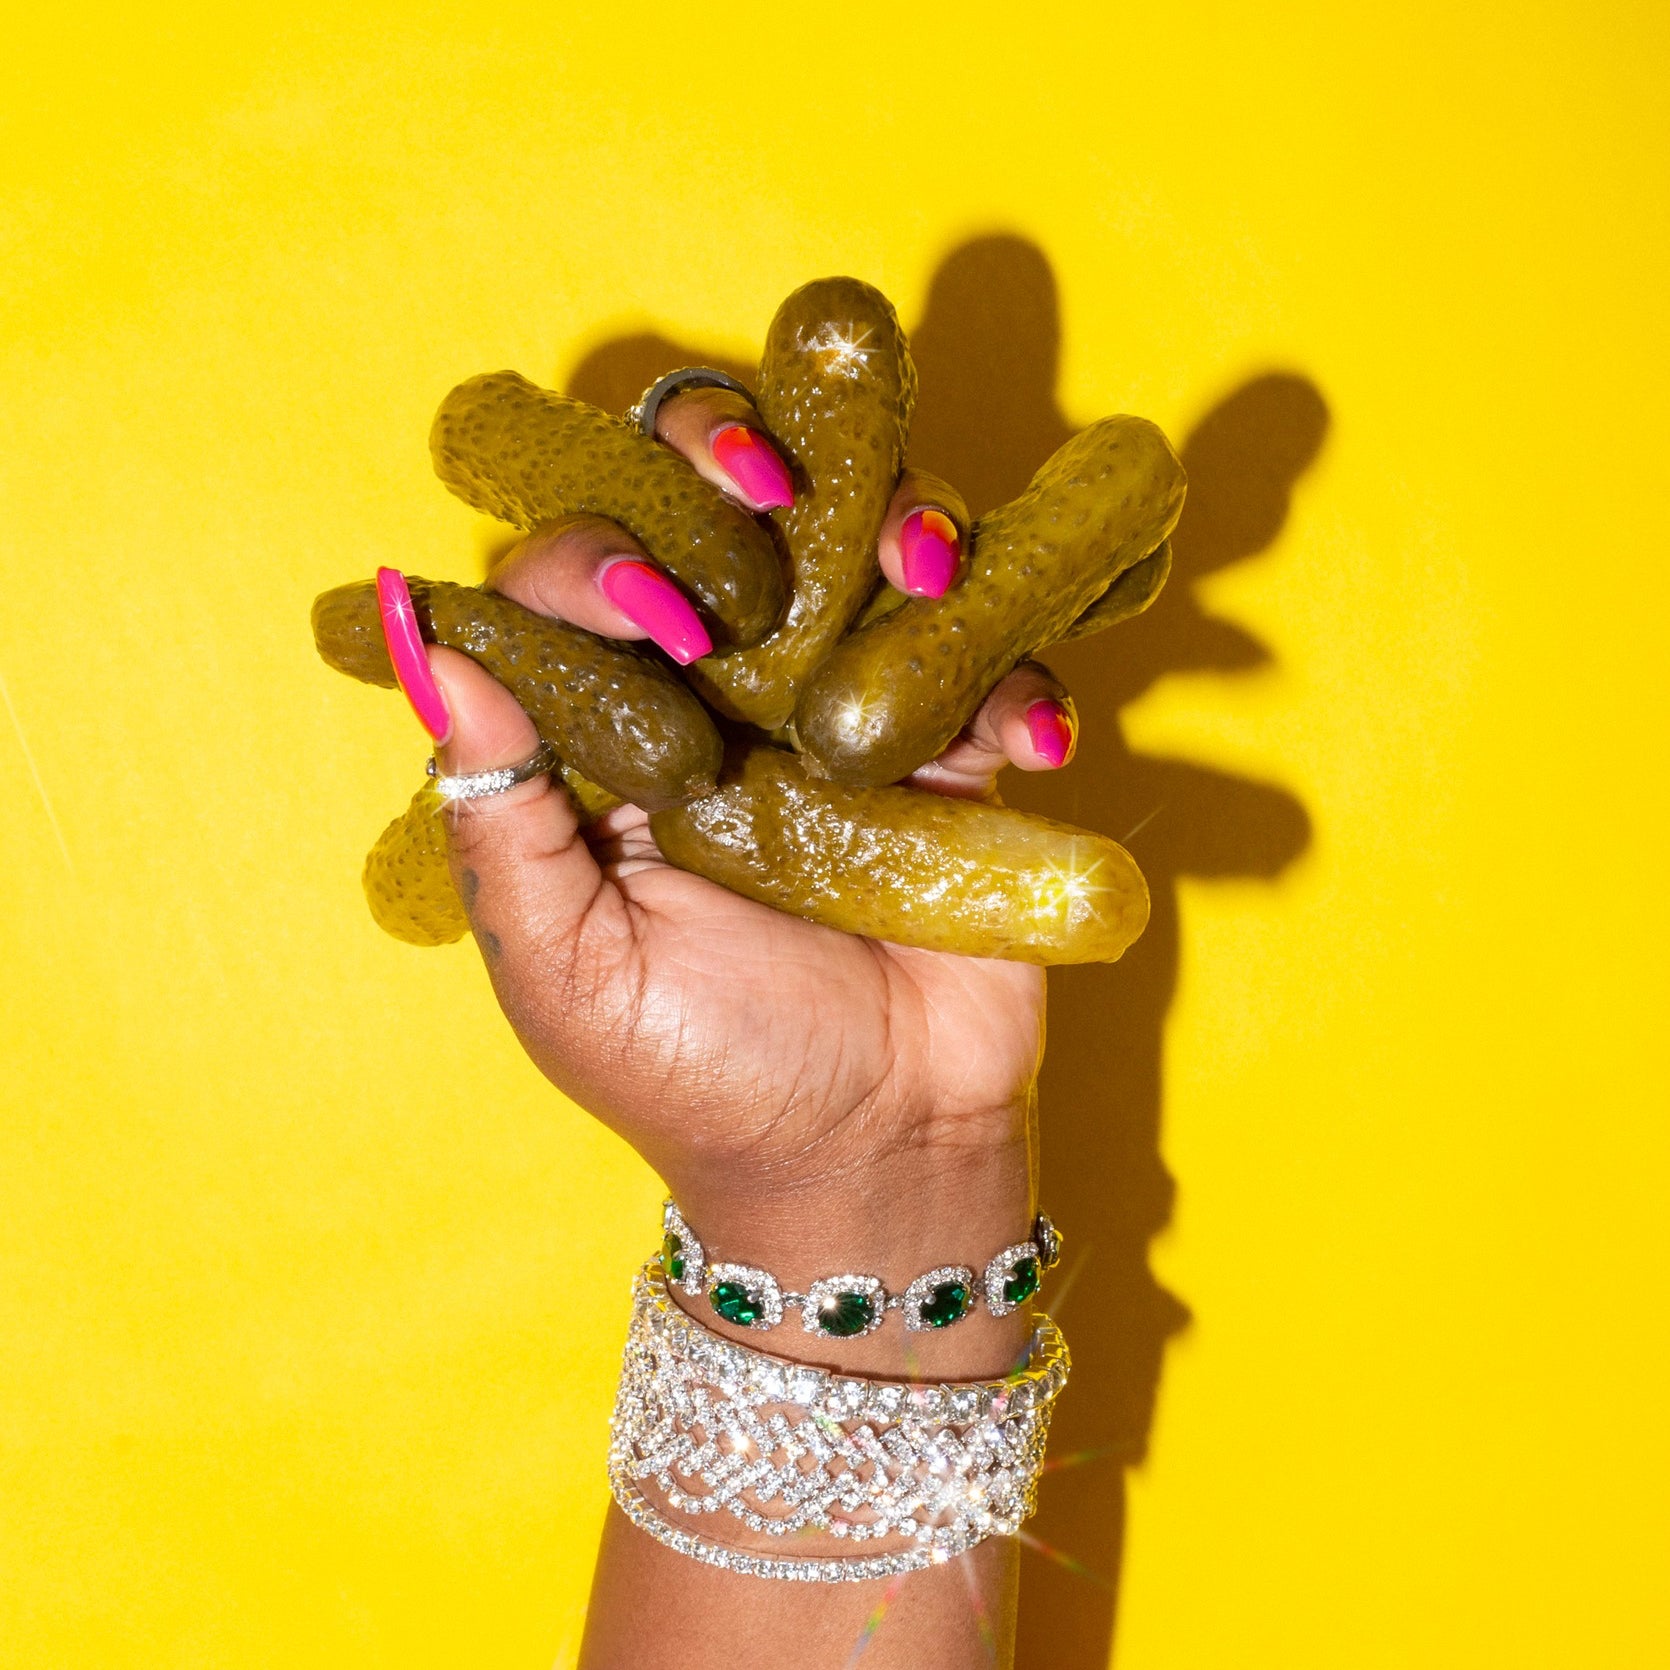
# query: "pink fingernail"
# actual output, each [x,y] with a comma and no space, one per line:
[749,459]
[929,550]
[1052,730]
[405,646]
[649,599]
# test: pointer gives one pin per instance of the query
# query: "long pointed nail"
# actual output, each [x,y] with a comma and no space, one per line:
[649,599]
[929,550]
[405,647]
[749,460]
[1053,730]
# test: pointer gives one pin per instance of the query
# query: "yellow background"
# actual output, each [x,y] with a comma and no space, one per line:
[311,1290]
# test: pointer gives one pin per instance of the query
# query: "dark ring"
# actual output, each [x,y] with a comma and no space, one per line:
[691,376]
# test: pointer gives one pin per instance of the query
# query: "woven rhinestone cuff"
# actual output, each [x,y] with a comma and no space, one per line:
[851,1305]
[787,1449]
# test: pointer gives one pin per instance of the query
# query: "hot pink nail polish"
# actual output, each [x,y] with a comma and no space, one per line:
[929,549]
[405,647]
[749,459]
[649,599]
[1052,730]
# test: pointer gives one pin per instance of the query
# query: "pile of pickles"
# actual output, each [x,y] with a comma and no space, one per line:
[773,766]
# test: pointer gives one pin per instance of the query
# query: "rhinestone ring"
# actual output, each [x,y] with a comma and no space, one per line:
[483,783]
[689,377]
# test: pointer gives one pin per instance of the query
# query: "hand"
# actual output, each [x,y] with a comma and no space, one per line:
[817,1102]
[810,1097]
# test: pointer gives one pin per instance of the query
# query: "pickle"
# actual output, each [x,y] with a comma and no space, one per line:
[621,719]
[836,389]
[917,869]
[1129,595]
[891,696]
[526,455]
[590,800]
[407,880]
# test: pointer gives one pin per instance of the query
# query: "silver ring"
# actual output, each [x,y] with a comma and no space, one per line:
[482,783]
[690,377]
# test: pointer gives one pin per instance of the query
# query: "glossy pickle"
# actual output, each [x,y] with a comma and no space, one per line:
[1084,547]
[528,455]
[620,718]
[913,868]
[836,389]
[892,695]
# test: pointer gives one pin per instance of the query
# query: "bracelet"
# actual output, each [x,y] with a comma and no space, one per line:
[785,1448]
[851,1305]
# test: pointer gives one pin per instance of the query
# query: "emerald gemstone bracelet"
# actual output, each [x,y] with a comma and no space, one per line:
[851,1305]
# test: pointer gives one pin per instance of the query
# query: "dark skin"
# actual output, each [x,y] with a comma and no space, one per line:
[813,1100]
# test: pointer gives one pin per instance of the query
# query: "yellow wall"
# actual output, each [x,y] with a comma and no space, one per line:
[299,1364]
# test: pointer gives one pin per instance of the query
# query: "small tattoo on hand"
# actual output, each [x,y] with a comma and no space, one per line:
[469,887]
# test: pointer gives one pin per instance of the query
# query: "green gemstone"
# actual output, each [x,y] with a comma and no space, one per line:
[1022,1282]
[846,1314]
[735,1303]
[672,1255]
[947,1303]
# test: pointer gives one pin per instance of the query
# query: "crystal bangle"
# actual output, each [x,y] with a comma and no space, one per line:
[851,1305]
[785,1448]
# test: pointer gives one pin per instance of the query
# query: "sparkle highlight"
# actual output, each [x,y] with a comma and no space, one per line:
[840,348]
[875,1620]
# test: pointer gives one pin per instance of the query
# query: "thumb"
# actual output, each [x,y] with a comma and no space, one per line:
[526,876]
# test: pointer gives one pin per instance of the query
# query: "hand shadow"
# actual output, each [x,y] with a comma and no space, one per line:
[987,350]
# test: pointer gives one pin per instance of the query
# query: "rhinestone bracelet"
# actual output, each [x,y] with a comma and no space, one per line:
[850,1306]
[788,1449]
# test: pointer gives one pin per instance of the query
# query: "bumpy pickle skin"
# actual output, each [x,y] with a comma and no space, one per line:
[890,697]
[1129,595]
[836,389]
[407,883]
[913,868]
[527,455]
[619,718]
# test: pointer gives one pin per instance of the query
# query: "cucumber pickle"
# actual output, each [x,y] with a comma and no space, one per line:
[621,719]
[902,865]
[891,696]
[526,455]
[407,881]
[1129,595]
[836,389]
[869,685]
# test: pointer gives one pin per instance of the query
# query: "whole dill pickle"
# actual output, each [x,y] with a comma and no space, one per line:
[836,388]
[621,719]
[891,696]
[1129,595]
[408,883]
[917,869]
[525,455]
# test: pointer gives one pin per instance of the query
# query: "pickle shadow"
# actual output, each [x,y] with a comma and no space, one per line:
[987,349]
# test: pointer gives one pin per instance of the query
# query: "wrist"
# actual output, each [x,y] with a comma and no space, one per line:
[920,1209]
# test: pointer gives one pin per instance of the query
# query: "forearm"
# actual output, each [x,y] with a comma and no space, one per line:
[653,1607]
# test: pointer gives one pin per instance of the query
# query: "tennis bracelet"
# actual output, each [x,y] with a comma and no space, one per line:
[851,1305]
